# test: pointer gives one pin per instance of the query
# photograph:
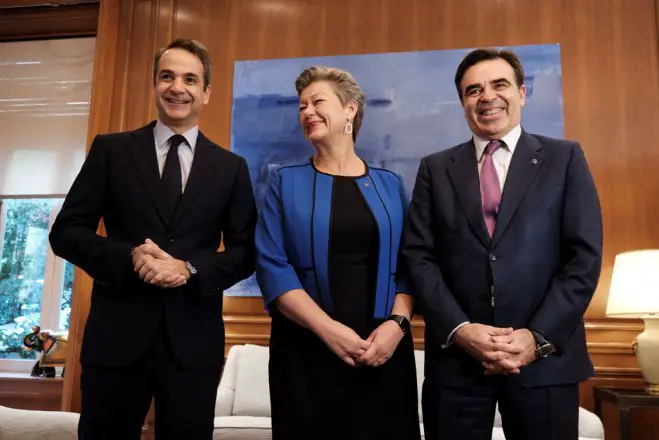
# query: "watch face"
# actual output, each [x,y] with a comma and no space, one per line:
[544,350]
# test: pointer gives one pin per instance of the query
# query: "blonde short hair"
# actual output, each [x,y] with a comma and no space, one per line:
[345,86]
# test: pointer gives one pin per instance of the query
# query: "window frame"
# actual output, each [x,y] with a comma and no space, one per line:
[51,296]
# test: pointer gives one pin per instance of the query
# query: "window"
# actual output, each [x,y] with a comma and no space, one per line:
[35,284]
[45,89]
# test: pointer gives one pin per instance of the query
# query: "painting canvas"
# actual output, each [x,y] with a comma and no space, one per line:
[412,110]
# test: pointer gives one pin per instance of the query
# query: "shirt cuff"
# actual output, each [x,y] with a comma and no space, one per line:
[449,340]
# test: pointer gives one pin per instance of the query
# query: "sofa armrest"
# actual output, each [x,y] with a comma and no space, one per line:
[590,425]
[18,424]
[227,389]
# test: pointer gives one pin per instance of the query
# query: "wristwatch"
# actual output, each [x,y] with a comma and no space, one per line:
[543,347]
[402,321]
[191,268]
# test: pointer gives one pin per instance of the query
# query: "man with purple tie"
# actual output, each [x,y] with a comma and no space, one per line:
[504,246]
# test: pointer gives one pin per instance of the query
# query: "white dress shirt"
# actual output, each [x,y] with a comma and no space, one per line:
[161,134]
[501,159]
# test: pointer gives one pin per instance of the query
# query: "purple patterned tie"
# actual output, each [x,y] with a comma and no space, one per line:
[490,187]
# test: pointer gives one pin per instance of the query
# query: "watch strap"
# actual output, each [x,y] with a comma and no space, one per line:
[191,268]
[402,321]
[543,347]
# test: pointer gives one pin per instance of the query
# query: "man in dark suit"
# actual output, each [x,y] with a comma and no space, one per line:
[168,196]
[504,244]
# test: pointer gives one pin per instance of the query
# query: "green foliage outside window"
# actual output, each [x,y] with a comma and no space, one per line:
[22,268]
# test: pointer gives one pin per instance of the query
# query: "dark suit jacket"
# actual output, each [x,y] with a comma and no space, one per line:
[120,183]
[542,264]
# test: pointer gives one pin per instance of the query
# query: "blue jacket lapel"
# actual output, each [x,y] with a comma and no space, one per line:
[382,218]
[320,231]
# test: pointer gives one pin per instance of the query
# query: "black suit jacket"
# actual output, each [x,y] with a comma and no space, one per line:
[542,263]
[120,183]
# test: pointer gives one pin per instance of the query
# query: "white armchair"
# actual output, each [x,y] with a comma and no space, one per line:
[242,409]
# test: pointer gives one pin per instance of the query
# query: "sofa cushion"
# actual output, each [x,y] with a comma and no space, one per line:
[242,428]
[252,392]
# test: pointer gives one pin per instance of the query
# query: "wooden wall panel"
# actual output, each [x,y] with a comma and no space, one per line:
[24,392]
[610,55]
[24,23]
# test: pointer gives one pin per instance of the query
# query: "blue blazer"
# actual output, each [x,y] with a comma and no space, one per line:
[539,270]
[292,235]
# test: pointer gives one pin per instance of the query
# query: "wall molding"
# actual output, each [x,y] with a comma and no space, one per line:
[610,348]
[20,24]
[619,372]
[609,341]
[611,324]
[259,329]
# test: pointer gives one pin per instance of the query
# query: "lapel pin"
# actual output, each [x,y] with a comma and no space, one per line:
[534,161]
[366,184]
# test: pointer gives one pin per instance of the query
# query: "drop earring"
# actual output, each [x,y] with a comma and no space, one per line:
[348,129]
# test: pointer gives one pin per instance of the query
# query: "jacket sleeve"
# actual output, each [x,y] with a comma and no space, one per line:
[574,286]
[439,308]
[274,273]
[217,271]
[73,235]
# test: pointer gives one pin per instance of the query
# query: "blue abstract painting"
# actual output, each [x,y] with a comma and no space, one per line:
[412,110]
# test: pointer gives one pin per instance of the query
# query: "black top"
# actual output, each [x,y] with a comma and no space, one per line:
[353,255]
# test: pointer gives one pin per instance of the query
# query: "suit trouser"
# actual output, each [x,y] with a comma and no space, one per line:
[115,400]
[544,413]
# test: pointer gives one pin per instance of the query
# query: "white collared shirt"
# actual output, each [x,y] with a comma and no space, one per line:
[161,134]
[502,156]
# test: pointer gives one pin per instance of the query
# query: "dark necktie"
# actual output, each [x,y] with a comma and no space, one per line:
[172,186]
[490,187]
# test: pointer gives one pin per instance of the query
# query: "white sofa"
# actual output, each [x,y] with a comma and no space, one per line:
[17,424]
[242,410]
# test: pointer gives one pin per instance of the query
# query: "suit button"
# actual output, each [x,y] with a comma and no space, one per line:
[170,239]
[493,257]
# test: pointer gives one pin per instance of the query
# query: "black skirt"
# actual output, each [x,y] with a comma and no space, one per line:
[315,395]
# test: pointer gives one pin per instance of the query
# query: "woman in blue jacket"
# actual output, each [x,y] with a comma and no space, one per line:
[341,352]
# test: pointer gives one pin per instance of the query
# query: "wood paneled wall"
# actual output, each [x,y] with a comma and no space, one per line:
[610,62]
[20,391]
[23,20]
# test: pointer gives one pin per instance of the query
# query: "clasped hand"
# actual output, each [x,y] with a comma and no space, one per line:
[155,266]
[499,350]
[372,352]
